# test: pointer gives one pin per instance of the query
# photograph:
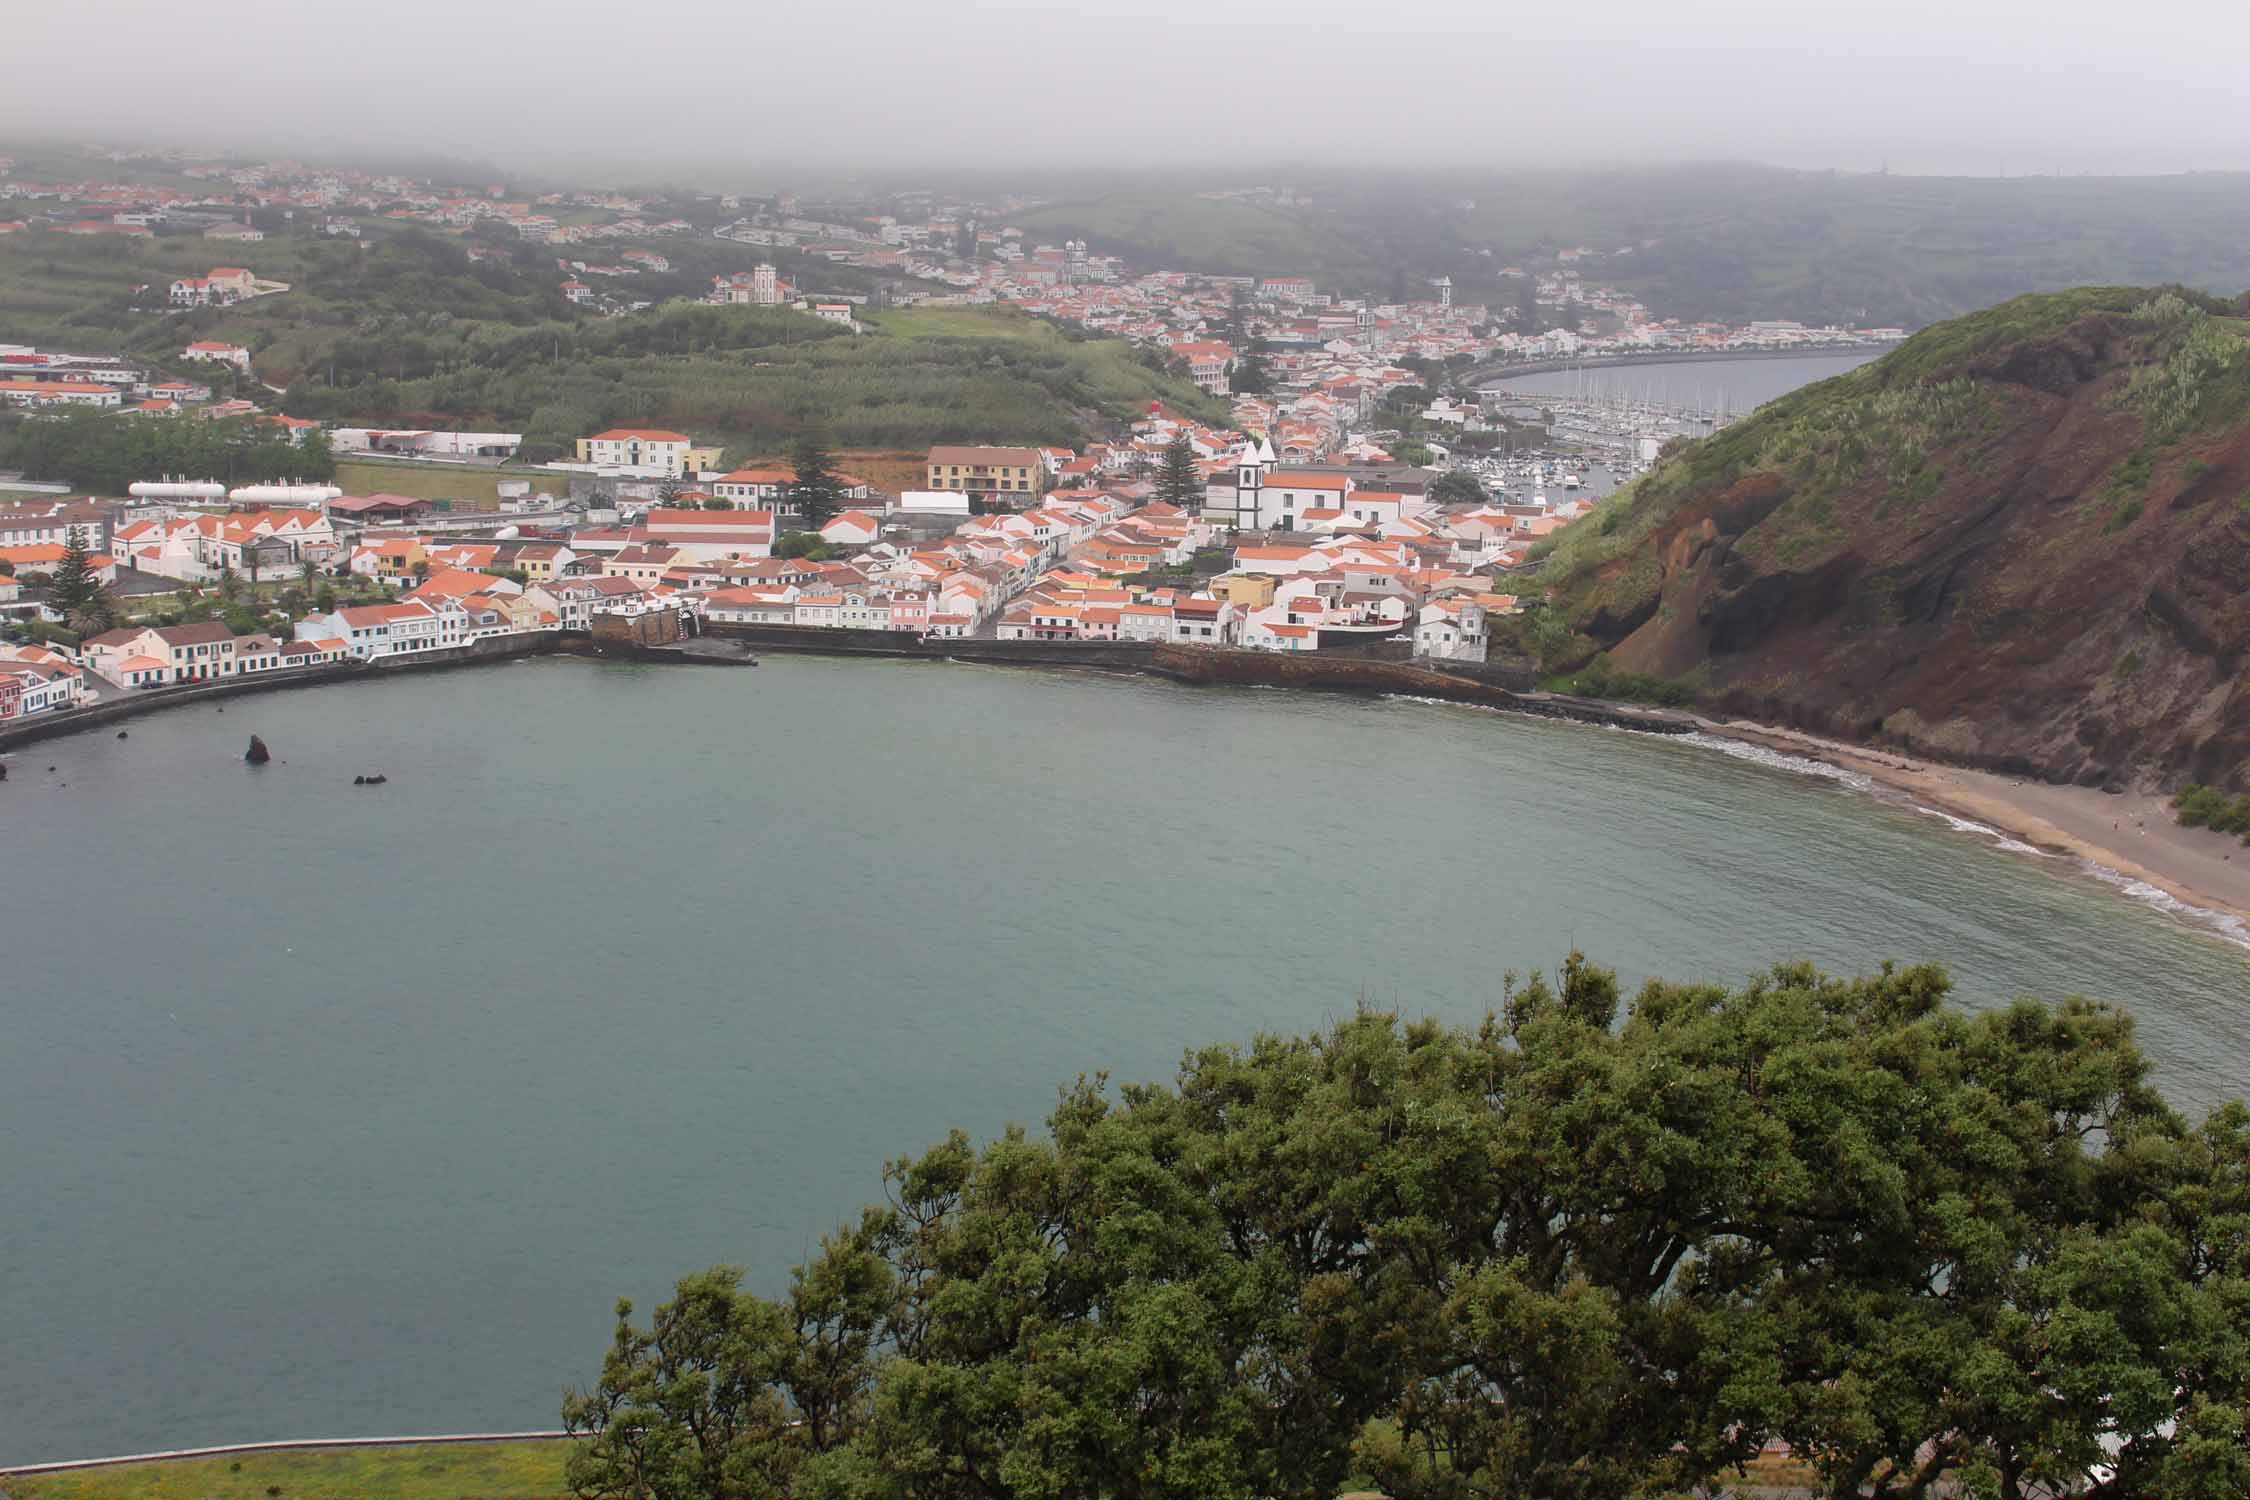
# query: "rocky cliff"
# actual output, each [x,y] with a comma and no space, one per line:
[2021,540]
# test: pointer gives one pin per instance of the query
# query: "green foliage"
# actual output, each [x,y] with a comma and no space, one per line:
[1600,680]
[1457,487]
[814,490]
[804,544]
[71,588]
[2203,379]
[104,451]
[1587,1249]
[1178,482]
[2199,806]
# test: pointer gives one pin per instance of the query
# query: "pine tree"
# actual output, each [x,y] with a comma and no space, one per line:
[814,490]
[1251,377]
[73,586]
[1177,482]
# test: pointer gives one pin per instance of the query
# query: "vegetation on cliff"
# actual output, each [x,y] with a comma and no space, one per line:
[2022,539]
[1565,1253]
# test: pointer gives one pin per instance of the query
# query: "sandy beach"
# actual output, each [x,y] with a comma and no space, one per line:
[2132,833]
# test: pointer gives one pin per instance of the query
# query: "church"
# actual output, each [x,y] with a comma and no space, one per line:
[1233,497]
[1254,495]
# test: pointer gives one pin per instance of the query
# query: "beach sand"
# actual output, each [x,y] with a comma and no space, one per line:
[2133,834]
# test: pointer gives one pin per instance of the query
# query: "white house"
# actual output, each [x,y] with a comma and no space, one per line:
[373,632]
[1451,630]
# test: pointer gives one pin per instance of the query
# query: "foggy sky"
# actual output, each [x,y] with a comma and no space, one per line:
[751,94]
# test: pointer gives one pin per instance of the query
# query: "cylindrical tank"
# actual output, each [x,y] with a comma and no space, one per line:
[286,494]
[176,489]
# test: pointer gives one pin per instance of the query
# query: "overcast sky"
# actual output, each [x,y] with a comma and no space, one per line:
[746,93]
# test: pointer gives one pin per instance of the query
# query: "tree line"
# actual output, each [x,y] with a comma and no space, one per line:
[102,452]
[1588,1248]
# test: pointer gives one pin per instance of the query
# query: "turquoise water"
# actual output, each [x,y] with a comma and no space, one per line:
[337,1111]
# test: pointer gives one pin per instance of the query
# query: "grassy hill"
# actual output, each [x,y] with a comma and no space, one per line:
[2022,539]
[407,330]
[1732,242]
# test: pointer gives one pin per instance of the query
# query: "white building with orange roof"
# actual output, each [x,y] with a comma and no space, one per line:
[1451,630]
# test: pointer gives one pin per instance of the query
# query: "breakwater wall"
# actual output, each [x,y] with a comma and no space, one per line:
[1322,673]
[120,704]
[1489,686]
[905,645]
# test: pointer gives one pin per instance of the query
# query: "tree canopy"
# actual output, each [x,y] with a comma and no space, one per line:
[1584,1249]
[102,452]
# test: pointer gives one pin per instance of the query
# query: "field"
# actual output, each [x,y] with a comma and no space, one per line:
[436,1471]
[466,486]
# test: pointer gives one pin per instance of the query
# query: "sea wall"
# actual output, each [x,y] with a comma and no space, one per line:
[1324,673]
[119,704]
[1114,656]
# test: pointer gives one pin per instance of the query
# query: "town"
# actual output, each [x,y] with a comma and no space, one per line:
[1361,492]
[1026,544]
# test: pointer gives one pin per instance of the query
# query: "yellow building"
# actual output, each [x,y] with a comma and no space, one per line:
[1245,590]
[1014,475]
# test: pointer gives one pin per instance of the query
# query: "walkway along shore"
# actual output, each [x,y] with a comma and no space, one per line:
[120,704]
[285,1445]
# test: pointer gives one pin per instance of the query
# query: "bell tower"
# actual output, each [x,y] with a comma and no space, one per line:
[1250,480]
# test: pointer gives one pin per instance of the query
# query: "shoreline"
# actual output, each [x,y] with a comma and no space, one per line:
[2126,839]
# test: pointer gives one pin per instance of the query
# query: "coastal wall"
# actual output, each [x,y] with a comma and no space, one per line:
[1116,656]
[120,704]
[1322,673]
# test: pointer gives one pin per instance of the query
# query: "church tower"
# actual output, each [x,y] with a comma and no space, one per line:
[1250,480]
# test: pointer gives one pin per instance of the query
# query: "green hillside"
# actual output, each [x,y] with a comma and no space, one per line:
[405,329]
[2022,540]
[1729,242]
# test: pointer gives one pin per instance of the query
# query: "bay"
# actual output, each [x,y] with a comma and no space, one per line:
[335,1110]
[1736,384]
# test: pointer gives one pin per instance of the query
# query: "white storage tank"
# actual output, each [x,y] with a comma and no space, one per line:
[285,494]
[177,489]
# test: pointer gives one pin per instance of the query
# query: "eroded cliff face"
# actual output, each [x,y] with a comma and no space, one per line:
[2024,545]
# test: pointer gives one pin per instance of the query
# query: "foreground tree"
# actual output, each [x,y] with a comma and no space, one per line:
[814,490]
[1587,1249]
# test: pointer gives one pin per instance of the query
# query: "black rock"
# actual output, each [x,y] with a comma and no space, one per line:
[121,734]
[257,754]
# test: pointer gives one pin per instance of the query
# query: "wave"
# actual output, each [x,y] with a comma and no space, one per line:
[2230,928]
[1970,825]
[1759,755]
[2218,923]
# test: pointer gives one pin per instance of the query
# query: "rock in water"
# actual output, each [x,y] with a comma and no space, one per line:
[257,754]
